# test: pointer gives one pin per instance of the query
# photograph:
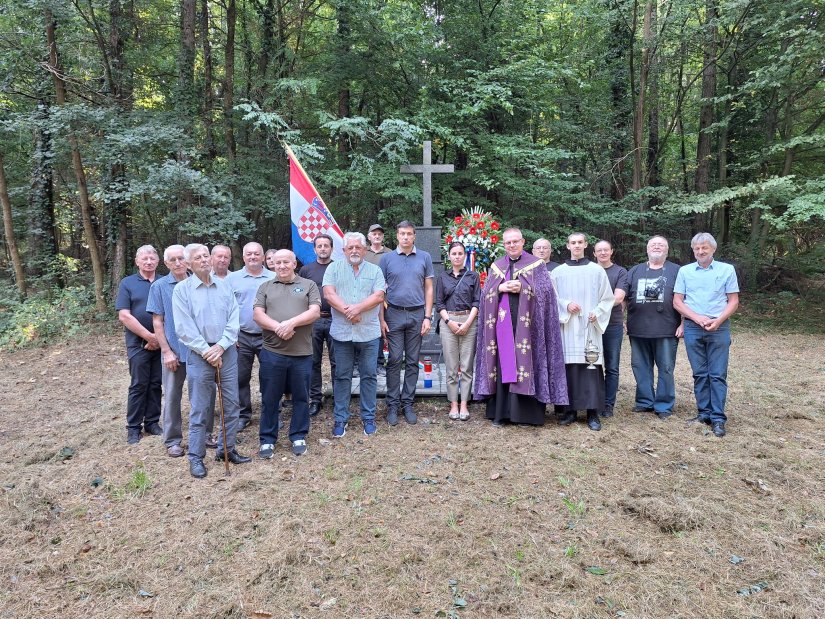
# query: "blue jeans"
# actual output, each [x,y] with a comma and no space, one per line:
[612,344]
[345,353]
[201,378]
[708,353]
[644,353]
[276,374]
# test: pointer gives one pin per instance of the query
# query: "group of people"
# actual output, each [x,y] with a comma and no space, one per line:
[537,333]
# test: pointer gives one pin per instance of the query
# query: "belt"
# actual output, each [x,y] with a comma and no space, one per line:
[326,314]
[405,309]
[458,312]
[251,333]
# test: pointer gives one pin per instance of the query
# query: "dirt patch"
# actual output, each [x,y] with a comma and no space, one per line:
[647,518]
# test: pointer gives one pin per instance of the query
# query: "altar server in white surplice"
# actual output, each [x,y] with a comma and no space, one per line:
[585,303]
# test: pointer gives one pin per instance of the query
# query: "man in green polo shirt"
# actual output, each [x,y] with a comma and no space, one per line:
[285,308]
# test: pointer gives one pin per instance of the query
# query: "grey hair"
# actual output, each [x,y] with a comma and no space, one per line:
[357,236]
[221,247]
[145,249]
[170,248]
[191,249]
[703,237]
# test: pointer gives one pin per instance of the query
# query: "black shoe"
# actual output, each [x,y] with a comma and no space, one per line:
[699,419]
[392,416]
[607,412]
[243,423]
[410,416]
[567,419]
[642,409]
[718,429]
[234,457]
[154,429]
[197,469]
[133,436]
[593,421]
[314,408]
[664,415]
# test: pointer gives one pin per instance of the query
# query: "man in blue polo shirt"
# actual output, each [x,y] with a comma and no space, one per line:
[707,295]
[173,353]
[245,283]
[142,347]
[406,319]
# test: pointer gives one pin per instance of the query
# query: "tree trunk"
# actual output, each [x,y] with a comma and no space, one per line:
[118,210]
[344,45]
[79,172]
[706,113]
[229,81]
[208,95]
[653,111]
[187,103]
[42,240]
[618,42]
[8,229]
[639,115]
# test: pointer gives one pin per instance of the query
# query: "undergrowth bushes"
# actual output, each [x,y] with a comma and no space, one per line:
[44,317]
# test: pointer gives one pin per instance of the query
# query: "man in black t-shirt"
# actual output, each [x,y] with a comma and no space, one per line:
[654,327]
[322,244]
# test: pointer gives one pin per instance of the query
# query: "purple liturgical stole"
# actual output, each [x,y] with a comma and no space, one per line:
[506,341]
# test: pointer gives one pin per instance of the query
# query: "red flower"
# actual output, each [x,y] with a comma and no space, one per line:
[448,239]
[467,222]
[457,219]
[484,234]
[480,224]
[494,225]
[472,230]
[476,215]
[494,239]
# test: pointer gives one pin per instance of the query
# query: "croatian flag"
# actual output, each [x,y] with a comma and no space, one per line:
[310,216]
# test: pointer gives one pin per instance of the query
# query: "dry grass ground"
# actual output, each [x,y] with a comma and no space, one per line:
[459,519]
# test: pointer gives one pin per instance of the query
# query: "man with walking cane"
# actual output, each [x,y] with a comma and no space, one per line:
[206,321]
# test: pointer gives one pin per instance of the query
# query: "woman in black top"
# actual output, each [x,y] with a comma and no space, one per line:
[457,299]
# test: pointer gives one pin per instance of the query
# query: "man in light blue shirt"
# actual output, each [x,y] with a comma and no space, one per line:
[354,289]
[245,283]
[206,322]
[173,353]
[707,295]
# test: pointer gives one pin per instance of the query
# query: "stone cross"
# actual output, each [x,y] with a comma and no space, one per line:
[427,170]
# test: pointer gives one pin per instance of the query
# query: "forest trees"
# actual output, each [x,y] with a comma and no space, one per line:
[159,121]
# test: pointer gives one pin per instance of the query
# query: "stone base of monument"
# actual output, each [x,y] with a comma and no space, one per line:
[439,388]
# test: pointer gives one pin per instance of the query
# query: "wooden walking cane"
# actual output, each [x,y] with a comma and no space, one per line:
[223,421]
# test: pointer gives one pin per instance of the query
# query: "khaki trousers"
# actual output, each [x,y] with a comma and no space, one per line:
[459,352]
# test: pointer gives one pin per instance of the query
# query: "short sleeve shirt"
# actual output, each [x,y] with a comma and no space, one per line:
[315,271]
[245,286]
[282,301]
[650,311]
[132,295]
[374,257]
[160,304]
[706,290]
[354,288]
[617,276]
[405,275]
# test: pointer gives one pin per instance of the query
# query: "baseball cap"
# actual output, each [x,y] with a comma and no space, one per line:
[376,227]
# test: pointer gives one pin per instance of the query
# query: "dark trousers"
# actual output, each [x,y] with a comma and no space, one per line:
[612,345]
[249,347]
[278,373]
[143,403]
[320,334]
[404,338]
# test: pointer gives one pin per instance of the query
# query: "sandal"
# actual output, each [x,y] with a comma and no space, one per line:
[454,415]
[464,415]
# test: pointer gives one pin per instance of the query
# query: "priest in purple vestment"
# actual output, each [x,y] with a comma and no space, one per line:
[519,355]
